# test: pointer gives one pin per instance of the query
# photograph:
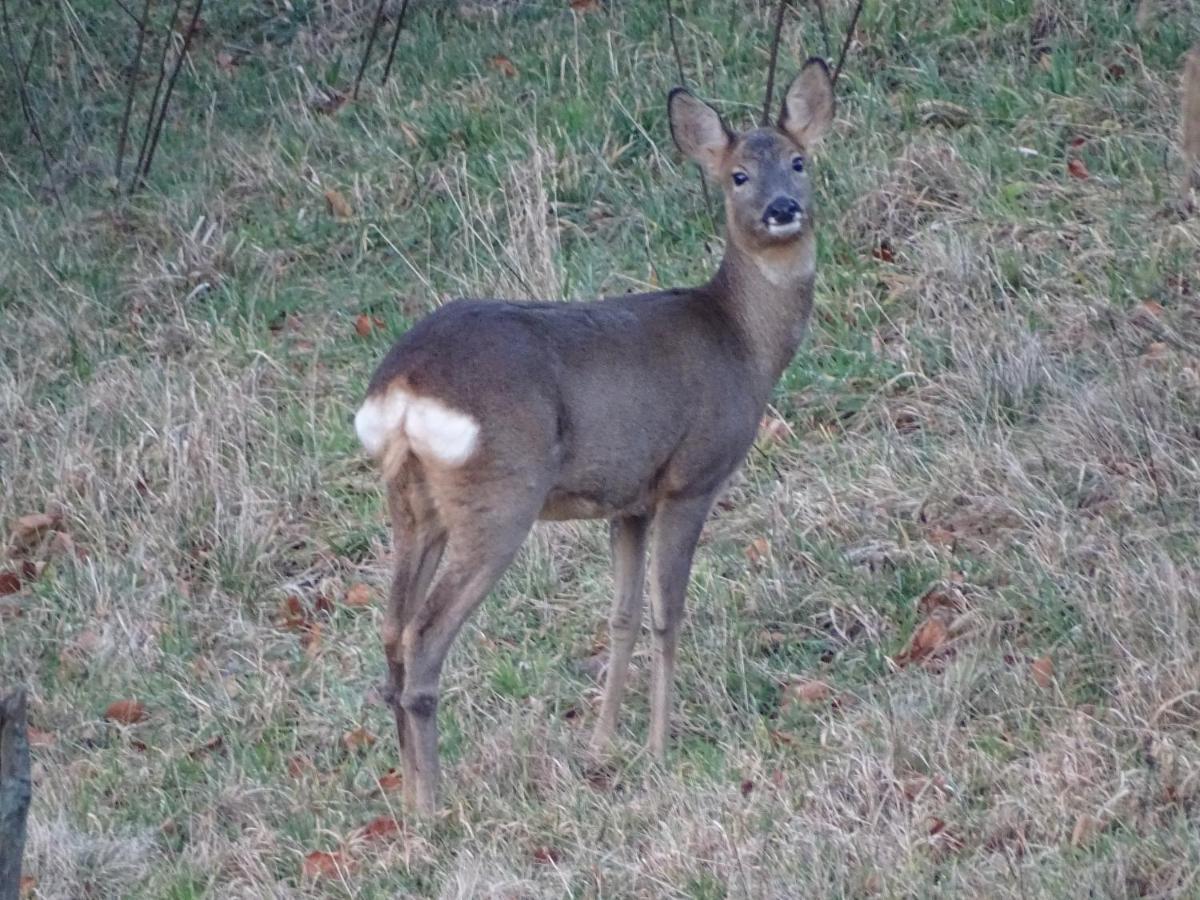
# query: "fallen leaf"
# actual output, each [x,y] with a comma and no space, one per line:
[938,597]
[929,636]
[326,101]
[126,712]
[503,65]
[758,550]
[359,595]
[10,583]
[1116,71]
[1085,830]
[391,781]
[292,614]
[803,691]
[1078,141]
[1155,350]
[339,206]
[747,787]
[320,864]
[383,828]
[28,529]
[323,605]
[884,252]
[586,6]
[356,738]
[363,325]
[545,855]
[1078,169]
[211,745]
[942,537]
[1042,671]
[299,765]
[310,639]
[1148,310]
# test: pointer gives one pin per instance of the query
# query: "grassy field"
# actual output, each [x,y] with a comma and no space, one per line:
[943,636]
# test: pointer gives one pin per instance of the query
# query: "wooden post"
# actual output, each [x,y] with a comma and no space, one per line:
[16,789]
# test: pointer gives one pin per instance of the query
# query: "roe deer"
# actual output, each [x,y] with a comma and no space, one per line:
[487,416]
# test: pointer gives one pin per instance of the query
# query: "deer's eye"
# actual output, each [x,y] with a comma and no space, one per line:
[798,163]
[740,177]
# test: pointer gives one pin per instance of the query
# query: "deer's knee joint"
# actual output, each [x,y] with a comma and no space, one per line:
[422,704]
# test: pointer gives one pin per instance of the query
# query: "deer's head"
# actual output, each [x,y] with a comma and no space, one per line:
[764,171]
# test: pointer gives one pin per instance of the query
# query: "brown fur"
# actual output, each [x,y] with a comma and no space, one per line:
[635,408]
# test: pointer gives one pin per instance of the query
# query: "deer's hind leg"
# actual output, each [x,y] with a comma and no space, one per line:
[419,540]
[486,522]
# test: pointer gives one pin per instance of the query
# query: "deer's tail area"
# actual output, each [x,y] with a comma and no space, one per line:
[395,422]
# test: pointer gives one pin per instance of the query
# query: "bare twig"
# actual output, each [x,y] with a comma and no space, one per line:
[770,95]
[162,76]
[26,104]
[820,5]
[16,790]
[366,57]
[135,70]
[166,101]
[846,43]
[387,70]
[683,83]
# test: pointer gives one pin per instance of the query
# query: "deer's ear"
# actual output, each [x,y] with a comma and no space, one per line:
[808,104]
[698,131]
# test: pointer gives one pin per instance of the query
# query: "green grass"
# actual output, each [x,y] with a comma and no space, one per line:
[990,413]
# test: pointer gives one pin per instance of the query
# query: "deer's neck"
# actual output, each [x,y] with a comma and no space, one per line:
[768,296]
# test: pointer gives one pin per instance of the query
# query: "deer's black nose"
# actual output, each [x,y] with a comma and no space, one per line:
[782,211]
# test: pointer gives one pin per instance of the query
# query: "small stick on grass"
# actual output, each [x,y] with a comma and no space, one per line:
[770,95]
[387,70]
[366,57]
[166,102]
[19,73]
[846,43]
[683,83]
[134,72]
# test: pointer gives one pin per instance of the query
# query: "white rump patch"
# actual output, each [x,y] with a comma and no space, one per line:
[431,428]
[440,431]
[379,417]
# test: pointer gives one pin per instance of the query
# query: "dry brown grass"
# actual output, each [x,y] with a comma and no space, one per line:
[994,429]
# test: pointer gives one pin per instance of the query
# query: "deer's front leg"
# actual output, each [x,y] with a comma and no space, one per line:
[628,541]
[677,525]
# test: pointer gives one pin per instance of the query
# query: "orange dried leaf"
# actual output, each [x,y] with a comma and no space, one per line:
[339,206]
[126,712]
[363,325]
[758,550]
[359,595]
[320,864]
[586,6]
[1078,169]
[10,583]
[1042,671]
[28,529]
[805,691]
[929,636]
[292,614]
[390,781]
[382,829]
[545,855]
[356,738]
[299,765]
[503,65]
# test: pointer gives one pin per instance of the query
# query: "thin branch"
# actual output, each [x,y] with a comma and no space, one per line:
[820,5]
[135,71]
[33,49]
[162,76]
[162,113]
[129,12]
[683,83]
[770,95]
[366,57]
[849,37]
[27,105]
[387,70]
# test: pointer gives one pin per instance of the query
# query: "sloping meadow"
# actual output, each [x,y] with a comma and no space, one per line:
[943,634]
